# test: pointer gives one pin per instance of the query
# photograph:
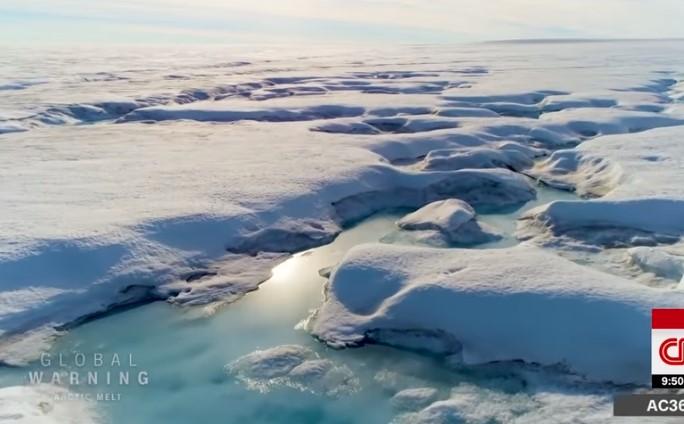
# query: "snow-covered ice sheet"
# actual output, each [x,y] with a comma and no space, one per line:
[129,175]
[130,208]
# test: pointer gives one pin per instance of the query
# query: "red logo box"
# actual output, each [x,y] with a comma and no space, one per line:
[667,348]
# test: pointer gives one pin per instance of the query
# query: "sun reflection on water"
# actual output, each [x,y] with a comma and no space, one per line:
[287,270]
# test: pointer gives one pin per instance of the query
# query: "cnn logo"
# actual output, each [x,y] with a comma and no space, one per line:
[671,351]
[667,345]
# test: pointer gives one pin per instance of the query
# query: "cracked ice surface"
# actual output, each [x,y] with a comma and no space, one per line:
[195,177]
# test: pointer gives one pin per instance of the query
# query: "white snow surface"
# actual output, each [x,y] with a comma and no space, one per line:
[646,164]
[471,404]
[493,305]
[640,178]
[663,262]
[20,349]
[45,404]
[126,172]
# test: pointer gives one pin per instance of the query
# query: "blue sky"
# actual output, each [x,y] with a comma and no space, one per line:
[343,21]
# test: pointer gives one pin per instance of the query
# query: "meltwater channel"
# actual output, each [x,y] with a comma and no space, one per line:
[183,352]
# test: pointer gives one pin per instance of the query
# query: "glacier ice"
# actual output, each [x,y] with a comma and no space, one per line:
[193,177]
[481,303]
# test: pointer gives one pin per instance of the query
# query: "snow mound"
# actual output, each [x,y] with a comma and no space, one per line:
[592,122]
[293,366]
[493,305]
[444,215]
[525,98]
[414,399]
[497,188]
[575,101]
[621,166]
[454,218]
[44,404]
[519,105]
[607,223]
[512,109]
[477,158]
[288,235]
[585,174]
[544,103]
[639,177]
[661,262]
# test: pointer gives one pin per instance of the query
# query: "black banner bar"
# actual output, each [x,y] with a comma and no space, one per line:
[667,381]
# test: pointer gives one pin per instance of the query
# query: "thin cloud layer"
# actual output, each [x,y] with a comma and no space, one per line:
[338,20]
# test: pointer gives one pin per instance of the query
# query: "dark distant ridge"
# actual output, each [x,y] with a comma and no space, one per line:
[577,40]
